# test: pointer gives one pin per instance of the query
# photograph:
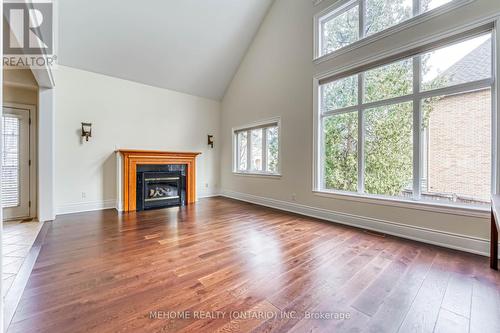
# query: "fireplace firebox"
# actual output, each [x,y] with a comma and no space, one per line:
[161,186]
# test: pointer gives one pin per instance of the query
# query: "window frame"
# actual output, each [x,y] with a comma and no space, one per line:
[416,96]
[264,124]
[340,6]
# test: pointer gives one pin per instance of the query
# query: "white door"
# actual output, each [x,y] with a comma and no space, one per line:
[16,163]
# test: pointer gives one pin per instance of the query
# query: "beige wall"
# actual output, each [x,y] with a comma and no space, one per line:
[124,114]
[20,95]
[275,79]
[19,86]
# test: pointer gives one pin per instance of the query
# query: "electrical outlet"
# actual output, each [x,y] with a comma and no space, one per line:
[84,195]
[294,197]
[206,185]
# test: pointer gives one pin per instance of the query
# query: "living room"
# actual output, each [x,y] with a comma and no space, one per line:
[250,166]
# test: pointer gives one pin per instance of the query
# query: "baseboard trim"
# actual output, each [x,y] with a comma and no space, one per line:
[211,195]
[80,207]
[424,235]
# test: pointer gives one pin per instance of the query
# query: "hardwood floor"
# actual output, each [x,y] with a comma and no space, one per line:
[252,269]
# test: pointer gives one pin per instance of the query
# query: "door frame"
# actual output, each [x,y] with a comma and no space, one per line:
[33,148]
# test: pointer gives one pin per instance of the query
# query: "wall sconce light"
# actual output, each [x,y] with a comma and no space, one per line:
[86,131]
[211,141]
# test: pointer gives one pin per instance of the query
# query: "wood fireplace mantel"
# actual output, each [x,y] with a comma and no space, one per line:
[131,158]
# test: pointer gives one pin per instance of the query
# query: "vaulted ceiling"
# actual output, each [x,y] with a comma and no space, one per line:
[191,46]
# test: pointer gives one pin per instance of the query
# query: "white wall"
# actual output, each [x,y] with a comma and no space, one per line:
[124,114]
[46,154]
[276,79]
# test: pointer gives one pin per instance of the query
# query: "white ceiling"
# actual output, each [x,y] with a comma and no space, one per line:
[191,46]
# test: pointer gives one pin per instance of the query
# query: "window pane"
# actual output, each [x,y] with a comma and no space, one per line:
[463,62]
[382,14]
[10,162]
[389,81]
[389,150]
[339,31]
[256,156]
[242,150]
[341,151]
[427,5]
[458,147]
[340,94]
[272,149]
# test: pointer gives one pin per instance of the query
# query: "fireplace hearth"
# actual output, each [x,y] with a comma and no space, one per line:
[161,186]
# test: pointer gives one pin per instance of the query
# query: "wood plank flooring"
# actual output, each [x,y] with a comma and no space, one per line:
[225,266]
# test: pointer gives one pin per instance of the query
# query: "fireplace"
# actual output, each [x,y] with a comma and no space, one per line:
[131,166]
[160,186]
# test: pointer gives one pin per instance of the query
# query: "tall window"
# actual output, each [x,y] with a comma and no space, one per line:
[257,148]
[418,128]
[348,21]
[10,162]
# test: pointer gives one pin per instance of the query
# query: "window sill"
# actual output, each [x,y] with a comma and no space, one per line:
[444,208]
[257,174]
[421,18]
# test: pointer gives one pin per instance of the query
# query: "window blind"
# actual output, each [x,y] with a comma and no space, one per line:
[10,162]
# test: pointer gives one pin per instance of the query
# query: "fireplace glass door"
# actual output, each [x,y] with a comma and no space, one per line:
[161,189]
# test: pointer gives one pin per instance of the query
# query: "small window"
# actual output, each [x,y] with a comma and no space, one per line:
[340,134]
[456,64]
[389,81]
[388,150]
[431,4]
[257,148]
[349,21]
[242,155]
[339,29]
[340,94]
[458,146]
[382,14]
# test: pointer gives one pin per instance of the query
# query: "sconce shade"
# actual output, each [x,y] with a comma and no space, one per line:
[86,131]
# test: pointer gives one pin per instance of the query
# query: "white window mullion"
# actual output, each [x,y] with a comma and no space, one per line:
[361,136]
[249,151]
[417,7]
[495,99]
[264,149]
[236,158]
[322,150]
[417,130]
[362,18]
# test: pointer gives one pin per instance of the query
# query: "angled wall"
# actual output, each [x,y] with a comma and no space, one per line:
[276,79]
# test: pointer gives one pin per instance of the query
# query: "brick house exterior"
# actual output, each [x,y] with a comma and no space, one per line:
[457,143]
[459,149]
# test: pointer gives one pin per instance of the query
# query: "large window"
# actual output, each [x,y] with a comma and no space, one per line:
[348,21]
[257,148]
[419,128]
